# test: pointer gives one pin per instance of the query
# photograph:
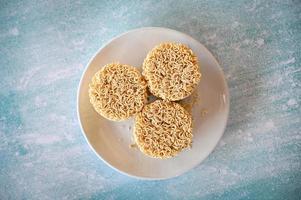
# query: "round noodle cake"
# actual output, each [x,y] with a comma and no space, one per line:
[171,71]
[118,91]
[162,129]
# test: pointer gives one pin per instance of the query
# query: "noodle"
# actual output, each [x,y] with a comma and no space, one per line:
[118,91]
[171,71]
[162,129]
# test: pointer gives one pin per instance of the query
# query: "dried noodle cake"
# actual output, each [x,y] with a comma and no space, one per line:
[118,91]
[171,71]
[162,129]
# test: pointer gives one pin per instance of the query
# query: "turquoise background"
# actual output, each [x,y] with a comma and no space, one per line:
[45,45]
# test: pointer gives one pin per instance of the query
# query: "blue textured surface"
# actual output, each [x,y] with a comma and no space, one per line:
[45,46]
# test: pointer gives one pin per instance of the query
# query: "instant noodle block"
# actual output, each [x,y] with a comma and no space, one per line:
[172,71]
[118,91]
[163,129]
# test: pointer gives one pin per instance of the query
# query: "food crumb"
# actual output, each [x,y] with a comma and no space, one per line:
[195,98]
[133,145]
[190,102]
[187,107]
[204,112]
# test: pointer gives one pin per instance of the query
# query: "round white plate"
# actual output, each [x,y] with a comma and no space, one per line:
[111,140]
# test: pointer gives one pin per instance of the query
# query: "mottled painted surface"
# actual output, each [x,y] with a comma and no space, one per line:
[45,46]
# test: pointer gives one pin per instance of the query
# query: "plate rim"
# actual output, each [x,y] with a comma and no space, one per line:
[227,105]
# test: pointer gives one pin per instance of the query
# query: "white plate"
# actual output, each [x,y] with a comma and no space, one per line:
[111,140]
